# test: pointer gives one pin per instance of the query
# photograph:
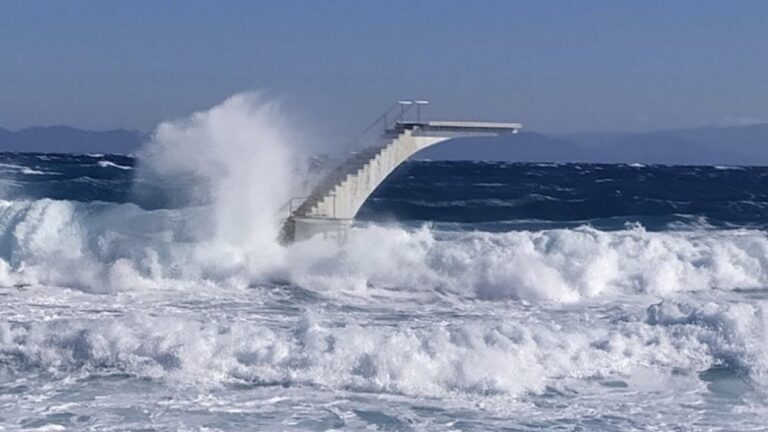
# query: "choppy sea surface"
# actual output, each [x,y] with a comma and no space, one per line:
[470,297]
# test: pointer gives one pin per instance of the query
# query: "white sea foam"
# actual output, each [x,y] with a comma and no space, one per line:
[81,245]
[31,171]
[481,358]
[559,265]
[108,164]
[23,169]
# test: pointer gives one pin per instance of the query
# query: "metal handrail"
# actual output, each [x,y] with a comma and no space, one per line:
[289,204]
[384,121]
[387,121]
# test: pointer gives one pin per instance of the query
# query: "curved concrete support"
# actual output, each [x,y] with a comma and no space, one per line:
[348,196]
[337,199]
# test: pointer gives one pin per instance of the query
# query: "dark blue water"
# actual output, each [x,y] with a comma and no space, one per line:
[85,178]
[491,195]
[606,196]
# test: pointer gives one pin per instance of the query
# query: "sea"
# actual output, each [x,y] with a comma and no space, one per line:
[149,292]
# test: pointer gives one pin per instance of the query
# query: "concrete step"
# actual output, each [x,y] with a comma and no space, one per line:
[350,168]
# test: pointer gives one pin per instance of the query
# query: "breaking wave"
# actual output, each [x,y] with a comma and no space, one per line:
[472,359]
[97,246]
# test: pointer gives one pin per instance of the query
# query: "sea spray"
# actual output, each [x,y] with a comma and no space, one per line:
[225,172]
[240,157]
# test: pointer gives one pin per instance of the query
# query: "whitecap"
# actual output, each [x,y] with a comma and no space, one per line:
[108,164]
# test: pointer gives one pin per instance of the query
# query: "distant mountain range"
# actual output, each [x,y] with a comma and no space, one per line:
[65,139]
[738,145]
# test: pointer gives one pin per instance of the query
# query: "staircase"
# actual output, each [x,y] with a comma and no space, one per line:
[336,178]
[333,204]
[321,201]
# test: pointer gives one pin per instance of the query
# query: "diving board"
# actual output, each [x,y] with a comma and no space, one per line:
[335,201]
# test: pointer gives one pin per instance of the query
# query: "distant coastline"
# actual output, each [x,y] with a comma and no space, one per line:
[734,145]
[66,139]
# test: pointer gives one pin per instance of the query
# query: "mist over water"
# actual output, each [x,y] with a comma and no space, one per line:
[152,293]
[240,158]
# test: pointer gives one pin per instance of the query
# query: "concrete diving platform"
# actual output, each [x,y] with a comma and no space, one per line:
[334,202]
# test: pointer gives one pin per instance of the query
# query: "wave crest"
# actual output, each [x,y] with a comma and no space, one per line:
[91,246]
[473,358]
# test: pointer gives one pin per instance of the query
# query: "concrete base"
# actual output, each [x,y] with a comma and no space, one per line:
[305,228]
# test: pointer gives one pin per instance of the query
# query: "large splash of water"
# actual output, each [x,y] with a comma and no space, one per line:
[235,165]
[241,155]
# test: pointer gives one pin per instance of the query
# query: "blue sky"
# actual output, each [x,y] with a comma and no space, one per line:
[556,66]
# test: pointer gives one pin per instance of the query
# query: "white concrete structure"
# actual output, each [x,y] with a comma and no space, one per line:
[334,203]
